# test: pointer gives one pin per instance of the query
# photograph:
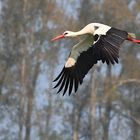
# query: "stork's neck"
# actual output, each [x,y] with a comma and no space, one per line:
[86,30]
[81,32]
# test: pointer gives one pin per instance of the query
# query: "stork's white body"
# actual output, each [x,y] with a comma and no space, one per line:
[102,30]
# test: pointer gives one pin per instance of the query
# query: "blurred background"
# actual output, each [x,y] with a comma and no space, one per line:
[106,106]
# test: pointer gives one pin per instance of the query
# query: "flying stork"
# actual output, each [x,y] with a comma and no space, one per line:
[101,42]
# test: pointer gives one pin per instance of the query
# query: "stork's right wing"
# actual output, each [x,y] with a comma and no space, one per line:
[107,47]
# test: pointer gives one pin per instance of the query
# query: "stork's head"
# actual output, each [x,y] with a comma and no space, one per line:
[64,35]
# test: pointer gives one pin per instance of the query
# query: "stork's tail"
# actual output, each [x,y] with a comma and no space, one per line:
[132,37]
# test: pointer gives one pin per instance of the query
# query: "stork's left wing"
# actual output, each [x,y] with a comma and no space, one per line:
[106,48]
[71,77]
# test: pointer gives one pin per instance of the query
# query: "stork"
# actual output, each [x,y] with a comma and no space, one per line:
[101,42]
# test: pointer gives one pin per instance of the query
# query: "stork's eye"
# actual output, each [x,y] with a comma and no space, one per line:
[65,33]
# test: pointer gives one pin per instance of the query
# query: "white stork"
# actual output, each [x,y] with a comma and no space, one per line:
[101,42]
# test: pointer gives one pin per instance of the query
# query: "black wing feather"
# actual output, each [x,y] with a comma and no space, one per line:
[76,80]
[67,83]
[58,75]
[63,82]
[60,79]
[71,83]
[105,49]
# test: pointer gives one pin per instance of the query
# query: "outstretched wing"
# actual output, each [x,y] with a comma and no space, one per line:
[107,46]
[106,49]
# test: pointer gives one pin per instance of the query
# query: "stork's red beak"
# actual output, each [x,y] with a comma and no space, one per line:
[58,37]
